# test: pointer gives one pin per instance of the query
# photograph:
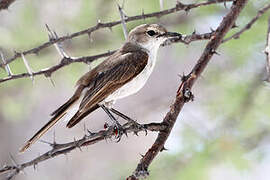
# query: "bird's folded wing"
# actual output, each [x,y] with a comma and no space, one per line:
[113,75]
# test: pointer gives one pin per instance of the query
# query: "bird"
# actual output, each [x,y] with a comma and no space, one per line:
[120,75]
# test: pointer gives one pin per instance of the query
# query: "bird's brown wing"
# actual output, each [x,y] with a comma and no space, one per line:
[126,64]
[115,74]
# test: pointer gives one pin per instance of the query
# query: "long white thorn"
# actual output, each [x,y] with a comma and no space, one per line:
[52,36]
[161,4]
[123,22]
[29,70]
[7,68]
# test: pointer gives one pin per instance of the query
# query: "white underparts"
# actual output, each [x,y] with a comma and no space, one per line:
[129,88]
[139,81]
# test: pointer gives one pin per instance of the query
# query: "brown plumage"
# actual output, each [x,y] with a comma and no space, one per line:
[123,73]
[111,74]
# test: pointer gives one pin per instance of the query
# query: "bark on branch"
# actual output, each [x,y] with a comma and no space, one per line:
[178,7]
[184,92]
[89,139]
[65,61]
[250,24]
[187,39]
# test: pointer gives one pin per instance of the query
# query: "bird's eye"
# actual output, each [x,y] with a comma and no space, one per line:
[151,33]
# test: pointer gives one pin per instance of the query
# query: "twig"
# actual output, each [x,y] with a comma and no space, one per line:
[49,71]
[267,52]
[99,25]
[91,138]
[187,39]
[88,59]
[183,93]
[248,25]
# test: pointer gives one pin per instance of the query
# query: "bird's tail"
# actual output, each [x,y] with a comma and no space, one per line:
[57,115]
[80,115]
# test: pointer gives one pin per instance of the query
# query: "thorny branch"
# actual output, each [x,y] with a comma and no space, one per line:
[250,24]
[88,59]
[178,7]
[184,94]
[88,139]
[187,39]
[64,62]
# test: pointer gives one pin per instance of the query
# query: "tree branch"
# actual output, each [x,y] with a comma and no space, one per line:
[248,25]
[66,60]
[187,39]
[178,7]
[91,138]
[184,94]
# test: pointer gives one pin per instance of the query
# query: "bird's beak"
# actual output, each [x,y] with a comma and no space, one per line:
[170,35]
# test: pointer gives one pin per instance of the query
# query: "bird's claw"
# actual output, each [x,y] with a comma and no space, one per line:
[119,131]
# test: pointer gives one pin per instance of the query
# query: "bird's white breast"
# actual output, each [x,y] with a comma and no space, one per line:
[137,82]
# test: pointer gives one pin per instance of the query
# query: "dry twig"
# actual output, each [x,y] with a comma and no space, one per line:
[184,94]
[91,138]
[66,60]
[178,7]
[250,24]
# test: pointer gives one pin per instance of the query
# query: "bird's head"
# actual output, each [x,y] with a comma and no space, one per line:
[150,36]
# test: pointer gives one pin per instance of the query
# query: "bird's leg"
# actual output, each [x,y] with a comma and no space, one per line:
[122,115]
[139,126]
[117,125]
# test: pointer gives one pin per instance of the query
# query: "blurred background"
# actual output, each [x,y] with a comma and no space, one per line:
[222,134]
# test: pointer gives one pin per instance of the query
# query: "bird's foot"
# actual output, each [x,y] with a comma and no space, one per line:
[138,127]
[118,131]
